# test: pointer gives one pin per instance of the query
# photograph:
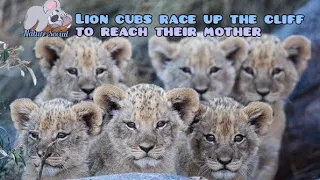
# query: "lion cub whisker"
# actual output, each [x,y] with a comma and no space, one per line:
[269,74]
[75,67]
[202,63]
[55,136]
[223,143]
[143,135]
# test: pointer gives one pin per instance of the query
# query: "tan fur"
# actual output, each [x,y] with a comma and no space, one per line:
[120,49]
[201,63]
[119,149]
[269,74]
[137,73]
[225,119]
[39,127]
[94,61]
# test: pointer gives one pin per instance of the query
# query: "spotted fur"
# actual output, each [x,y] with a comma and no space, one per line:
[201,63]
[269,74]
[75,67]
[272,67]
[142,117]
[57,133]
[222,157]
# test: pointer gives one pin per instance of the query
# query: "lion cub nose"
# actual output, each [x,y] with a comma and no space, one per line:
[201,91]
[87,90]
[263,92]
[42,153]
[146,148]
[224,160]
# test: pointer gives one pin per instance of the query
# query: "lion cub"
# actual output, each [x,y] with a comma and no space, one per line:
[144,127]
[55,136]
[269,74]
[201,63]
[76,66]
[223,140]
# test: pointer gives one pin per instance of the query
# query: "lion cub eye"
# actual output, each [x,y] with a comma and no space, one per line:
[214,69]
[186,70]
[62,135]
[238,138]
[34,135]
[72,71]
[276,71]
[100,70]
[210,137]
[161,124]
[248,70]
[131,125]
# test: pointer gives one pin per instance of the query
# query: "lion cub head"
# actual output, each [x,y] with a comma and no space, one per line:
[272,69]
[225,137]
[56,133]
[145,122]
[75,67]
[201,63]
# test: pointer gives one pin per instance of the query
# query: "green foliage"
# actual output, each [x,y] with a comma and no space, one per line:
[9,58]
[4,56]
[11,160]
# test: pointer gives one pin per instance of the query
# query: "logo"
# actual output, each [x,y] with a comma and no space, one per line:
[47,20]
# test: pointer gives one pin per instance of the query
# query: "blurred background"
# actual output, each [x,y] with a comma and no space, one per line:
[300,154]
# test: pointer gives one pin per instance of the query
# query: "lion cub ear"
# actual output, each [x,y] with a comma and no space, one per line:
[91,114]
[260,116]
[196,120]
[107,97]
[120,50]
[299,51]
[161,51]
[185,101]
[235,50]
[48,51]
[20,110]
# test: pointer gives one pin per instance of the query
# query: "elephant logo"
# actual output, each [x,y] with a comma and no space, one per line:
[49,17]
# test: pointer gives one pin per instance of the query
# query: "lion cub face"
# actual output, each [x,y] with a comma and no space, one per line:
[55,132]
[204,64]
[75,67]
[226,137]
[272,68]
[146,121]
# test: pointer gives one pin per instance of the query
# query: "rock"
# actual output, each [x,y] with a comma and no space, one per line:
[137,176]
[300,154]
[309,28]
